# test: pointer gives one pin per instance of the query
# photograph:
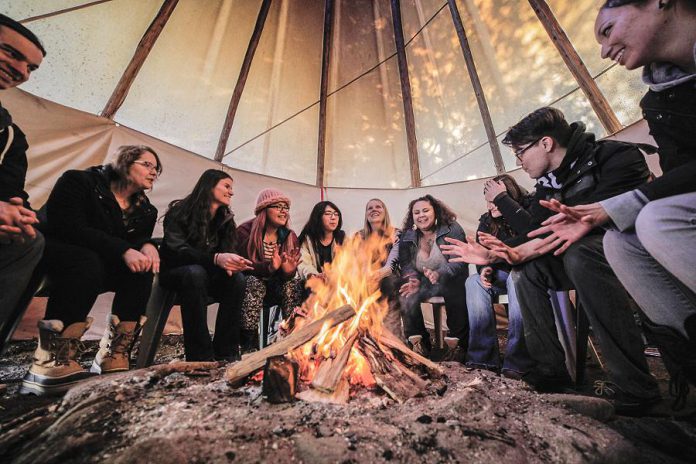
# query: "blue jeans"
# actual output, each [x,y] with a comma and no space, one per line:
[483,340]
[656,262]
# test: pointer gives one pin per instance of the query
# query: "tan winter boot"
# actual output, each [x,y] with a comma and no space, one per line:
[55,368]
[116,345]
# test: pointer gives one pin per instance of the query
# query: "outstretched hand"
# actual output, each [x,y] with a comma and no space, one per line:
[467,251]
[290,260]
[410,287]
[570,224]
[232,263]
[499,249]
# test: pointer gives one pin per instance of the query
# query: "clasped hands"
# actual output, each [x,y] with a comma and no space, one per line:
[16,221]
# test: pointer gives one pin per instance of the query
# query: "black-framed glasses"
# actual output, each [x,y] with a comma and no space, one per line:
[332,214]
[519,153]
[280,208]
[149,166]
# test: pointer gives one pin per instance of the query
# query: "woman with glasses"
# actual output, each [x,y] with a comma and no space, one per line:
[319,238]
[98,228]
[272,247]
[199,260]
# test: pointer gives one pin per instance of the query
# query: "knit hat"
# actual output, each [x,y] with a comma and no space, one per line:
[269,196]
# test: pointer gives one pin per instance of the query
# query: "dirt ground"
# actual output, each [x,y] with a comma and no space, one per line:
[155,416]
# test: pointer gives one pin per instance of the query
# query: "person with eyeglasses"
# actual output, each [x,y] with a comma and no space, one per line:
[273,249]
[98,230]
[571,166]
[319,238]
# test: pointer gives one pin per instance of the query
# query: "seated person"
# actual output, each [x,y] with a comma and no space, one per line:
[98,232]
[21,245]
[571,166]
[427,273]
[378,224]
[274,252]
[319,238]
[653,236]
[493,280]
[198,261]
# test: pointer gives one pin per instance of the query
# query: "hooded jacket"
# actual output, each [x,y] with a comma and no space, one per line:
[591,171]
[13,159]
[83,211]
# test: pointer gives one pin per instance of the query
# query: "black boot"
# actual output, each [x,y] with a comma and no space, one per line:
[678,354]
[248,340]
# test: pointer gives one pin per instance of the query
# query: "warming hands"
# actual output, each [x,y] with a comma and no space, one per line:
[570,224]
[467,252]
[410,287]
[232,263]
[289,260]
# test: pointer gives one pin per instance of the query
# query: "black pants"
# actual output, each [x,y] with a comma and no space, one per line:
[79,275]
[604,300]
[453,290]
[194,285]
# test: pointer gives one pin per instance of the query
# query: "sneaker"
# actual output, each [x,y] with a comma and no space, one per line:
[625,404]
[543,383]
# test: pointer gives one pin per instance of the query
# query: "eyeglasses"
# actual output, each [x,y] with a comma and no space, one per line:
[149,166]
[519,153]
[332,214]
[280,208]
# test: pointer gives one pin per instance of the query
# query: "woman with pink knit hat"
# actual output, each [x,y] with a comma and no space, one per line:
[274,251]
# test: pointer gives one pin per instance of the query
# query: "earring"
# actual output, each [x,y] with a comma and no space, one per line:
[661,5]
[435,222]
[414,227]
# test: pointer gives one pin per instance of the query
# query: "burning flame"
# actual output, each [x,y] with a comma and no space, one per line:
[351,278]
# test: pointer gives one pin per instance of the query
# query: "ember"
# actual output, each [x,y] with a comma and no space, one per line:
[339,350]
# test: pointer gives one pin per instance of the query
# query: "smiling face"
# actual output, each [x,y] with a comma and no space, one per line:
[278,214]
[628,34]
[142,173]
[423,215]
[222,192]
[329,220]
[18,58]
[374,211]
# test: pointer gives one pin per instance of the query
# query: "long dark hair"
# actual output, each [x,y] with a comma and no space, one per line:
[443,214]
[194,211]
[517,193]
[314,229]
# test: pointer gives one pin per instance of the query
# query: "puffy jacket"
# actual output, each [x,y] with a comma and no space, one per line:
[82,210]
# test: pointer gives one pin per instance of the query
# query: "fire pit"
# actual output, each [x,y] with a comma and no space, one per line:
[329,352]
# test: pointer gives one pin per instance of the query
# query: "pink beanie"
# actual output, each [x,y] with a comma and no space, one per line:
[269,196]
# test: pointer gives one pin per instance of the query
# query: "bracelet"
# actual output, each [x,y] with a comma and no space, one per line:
[215,258]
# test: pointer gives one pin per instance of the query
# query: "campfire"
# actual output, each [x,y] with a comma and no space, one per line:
[338,343]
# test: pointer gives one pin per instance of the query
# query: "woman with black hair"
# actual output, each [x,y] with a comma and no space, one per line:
[319,238]
[427,272]
[493,280]
[98,228]
[199,261]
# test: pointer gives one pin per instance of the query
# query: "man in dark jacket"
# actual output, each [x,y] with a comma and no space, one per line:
[21,245]
[570,166]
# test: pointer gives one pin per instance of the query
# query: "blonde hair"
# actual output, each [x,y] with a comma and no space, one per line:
[387,227]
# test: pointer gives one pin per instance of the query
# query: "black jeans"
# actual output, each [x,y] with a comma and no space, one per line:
[584,268]
[78,275]
[194,285]
[453,290]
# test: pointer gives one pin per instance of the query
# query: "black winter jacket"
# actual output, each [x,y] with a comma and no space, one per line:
[13,159]
[600,170]
[671,116]
[81,210]
[408,249]
[179,250]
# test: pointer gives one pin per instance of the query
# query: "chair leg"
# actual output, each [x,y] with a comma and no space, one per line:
[158,309]
[9,323]
[437,323]
[582,339]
